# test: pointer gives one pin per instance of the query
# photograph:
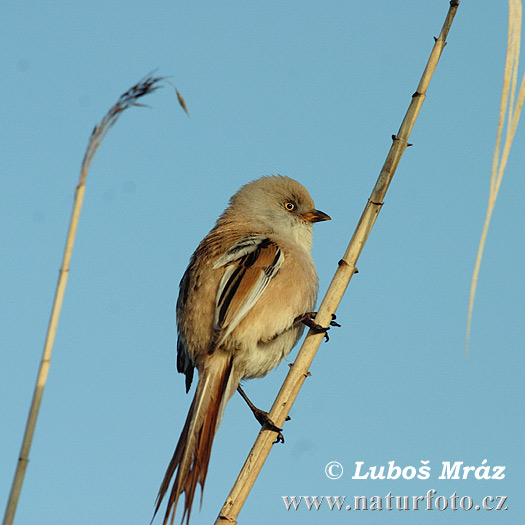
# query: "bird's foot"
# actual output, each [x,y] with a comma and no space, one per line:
[308,320]
[263,418]
[268,424]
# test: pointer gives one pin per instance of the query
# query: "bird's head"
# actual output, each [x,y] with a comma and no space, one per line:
[279,205]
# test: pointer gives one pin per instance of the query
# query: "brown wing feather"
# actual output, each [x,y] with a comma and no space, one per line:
[246,279]
[250,269]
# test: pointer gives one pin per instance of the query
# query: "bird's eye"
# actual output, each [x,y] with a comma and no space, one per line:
[290,206]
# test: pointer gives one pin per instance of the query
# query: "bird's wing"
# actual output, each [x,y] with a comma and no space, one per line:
[250,265]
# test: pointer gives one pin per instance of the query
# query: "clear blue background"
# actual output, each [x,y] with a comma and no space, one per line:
[312,90]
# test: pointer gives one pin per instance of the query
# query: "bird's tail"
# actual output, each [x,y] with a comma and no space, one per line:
[191,457]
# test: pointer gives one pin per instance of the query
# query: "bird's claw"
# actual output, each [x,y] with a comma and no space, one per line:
[268,424]
[263,418]
[308,320]
[333,323]
[279,438]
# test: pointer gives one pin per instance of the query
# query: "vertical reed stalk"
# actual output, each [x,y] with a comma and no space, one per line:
[511,111]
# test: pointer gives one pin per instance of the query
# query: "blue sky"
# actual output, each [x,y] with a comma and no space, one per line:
[305,89]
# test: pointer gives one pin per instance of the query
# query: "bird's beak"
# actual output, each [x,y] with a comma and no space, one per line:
[316,216]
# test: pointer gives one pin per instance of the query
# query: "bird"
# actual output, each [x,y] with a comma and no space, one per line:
[244,300]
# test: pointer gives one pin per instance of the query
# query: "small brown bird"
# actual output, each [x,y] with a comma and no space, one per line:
[242,302]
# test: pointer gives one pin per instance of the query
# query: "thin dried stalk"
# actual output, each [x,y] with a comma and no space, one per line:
[511,111]
[128,99]
[347,267]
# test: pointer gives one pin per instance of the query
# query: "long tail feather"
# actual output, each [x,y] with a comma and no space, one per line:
[190,460]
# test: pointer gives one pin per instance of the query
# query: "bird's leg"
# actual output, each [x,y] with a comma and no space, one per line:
[262,417]
[308,319]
